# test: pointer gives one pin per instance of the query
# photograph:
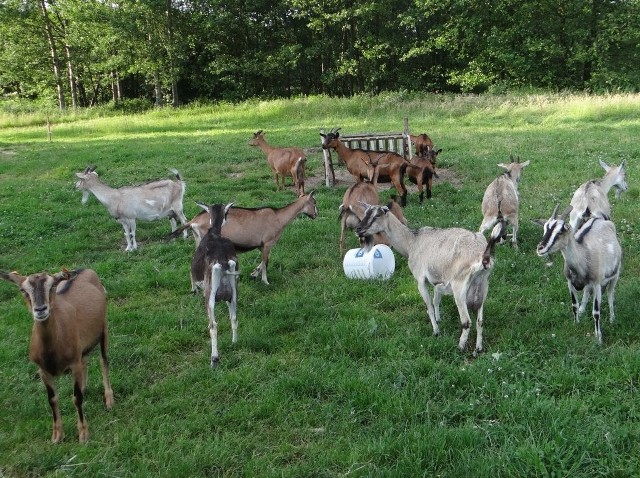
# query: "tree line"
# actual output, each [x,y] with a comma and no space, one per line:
[90,52]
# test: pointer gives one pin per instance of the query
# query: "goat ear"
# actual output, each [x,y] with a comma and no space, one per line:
[312,194]
[623,164]
[64,274]
[604,165]
[504,166]
[14,277]
[539,222]
[526,163]
[438,151]
[203,206]
[227,207]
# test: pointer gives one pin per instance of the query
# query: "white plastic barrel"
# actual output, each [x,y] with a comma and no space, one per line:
[378,263]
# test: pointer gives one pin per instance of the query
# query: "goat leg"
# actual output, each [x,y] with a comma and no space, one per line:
[78,398]
[58,432]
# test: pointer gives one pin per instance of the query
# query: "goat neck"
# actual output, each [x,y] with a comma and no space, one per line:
[377,219]
[304,204]
[259,141]
[614,177]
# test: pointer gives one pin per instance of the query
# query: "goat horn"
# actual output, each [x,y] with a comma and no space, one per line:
[511,158]
[555,211]
[566,212]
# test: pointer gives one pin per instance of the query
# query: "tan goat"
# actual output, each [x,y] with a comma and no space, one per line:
[69,320]
[392,166]
[501,200]
[254,228]
[283,162]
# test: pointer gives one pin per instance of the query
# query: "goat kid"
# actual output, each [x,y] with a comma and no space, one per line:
[69,320]
[214,262]
[422,143]
[594,195]
[422,170]
[592,260]
[254,228]
[391,166]
[454,261]
[501,199]
[283,162]
[149,201]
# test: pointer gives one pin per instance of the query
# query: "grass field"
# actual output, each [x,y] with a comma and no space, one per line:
[330,377]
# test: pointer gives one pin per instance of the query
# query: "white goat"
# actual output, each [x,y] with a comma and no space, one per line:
[149,201]
[455,261]
[593,195]
[501,198]
[69,320]
[592,260]
[215,258]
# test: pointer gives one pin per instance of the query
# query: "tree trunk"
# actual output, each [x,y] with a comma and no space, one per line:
[175,100]
[54,55]
[72,78]
[116,88]
[158,90]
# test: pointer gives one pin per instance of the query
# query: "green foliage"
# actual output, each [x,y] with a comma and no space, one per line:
[330,376]
[175,51]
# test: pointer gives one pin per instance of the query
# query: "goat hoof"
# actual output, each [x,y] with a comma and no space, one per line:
[215,362]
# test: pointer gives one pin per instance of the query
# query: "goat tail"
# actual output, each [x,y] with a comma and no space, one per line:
[496,236]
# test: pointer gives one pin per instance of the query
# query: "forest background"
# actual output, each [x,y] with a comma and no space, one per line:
[137,53]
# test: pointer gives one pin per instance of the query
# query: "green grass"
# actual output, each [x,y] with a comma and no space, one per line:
[330,376]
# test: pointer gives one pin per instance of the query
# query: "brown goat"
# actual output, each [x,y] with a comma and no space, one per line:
[423,170]
[255,228]
[392,166]
[69,320]
[353,205]
[283,162]
[215,261]
[422,143]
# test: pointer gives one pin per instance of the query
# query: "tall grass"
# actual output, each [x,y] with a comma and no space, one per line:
[330,377]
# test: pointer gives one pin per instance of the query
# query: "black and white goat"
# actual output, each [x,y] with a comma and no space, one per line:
[215,261]
[69,320]
[594,195]
[501,199]
[149,201]
[592,260]
[454,261]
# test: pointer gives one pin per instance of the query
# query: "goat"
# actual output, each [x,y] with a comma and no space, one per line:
[392,166]
[255,228]
[454,261]
[69,320]
[283,162]
[592,260]
[501,200]
[422,143]
[351,211]
[214,262]
[593,195]
[422,171]
[149,201]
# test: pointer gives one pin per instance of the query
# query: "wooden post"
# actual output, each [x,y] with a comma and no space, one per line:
[406,141]
[48,128]
[329,173]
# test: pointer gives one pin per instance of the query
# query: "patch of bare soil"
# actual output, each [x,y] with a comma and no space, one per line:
[344,178]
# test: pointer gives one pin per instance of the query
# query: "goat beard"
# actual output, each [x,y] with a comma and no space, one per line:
[366,243]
